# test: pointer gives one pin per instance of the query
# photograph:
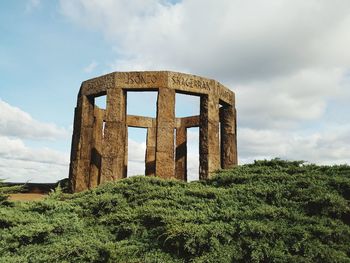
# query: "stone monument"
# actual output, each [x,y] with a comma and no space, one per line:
[99,141]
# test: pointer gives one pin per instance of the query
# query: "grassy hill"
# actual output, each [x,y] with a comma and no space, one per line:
[269,211]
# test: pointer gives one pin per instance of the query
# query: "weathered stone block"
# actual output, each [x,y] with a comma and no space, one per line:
[228,137]
[98,86]
[166,105]
[165,167]
[165,137]
[114,139]
[181,154]
[116,105]
[82,177]
[112,169]
[142,80]
[85,142]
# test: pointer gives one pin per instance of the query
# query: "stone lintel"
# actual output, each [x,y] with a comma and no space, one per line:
[188,122]
[187,83]
[140,121]
[98,86]
[142,80]
[226,96]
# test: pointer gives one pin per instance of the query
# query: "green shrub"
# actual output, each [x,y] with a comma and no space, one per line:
[269,211]
[6,190]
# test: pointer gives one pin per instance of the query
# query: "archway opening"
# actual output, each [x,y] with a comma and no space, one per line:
[193,154]
[141,109]
[187,110]
[136,151]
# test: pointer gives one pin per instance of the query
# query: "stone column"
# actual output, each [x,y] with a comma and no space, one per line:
[96,152]
[74,148]
[165,163]
[150,158]
[181,153]
[228,137]
[83,124]
[113,155]
[209,149]
[126,153]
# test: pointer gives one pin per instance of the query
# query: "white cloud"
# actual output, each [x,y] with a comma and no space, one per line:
[16,123]
[91,67]
[283,102]
[136,157]
[287,61]
[329,146]
[225,39]
[32,5]
[20,163]
[13,170]
[15,149]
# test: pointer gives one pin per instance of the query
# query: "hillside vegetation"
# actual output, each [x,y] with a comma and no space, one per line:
[269,211]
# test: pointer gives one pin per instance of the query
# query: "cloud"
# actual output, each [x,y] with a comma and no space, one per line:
[91,67]
[232,41]
[136,157]
[287,61]
[32,5]
[15,149]
[20,163]
[13,170]
[284,102]
[329,146]
[16,123]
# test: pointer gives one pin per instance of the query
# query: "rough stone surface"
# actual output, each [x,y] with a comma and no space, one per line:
[181,153]
[228,137]
[99,150]
[150,156]
[165,163]
[96,151]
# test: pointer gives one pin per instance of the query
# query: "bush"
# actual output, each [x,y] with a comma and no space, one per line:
[269,211]
[6,190]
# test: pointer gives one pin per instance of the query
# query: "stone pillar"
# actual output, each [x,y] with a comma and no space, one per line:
[75,148]
[181,153]
[209,148]
[96,149]
[228,137]
[126,152]
[150,158]
[113,154]
[84,119]
[165,163]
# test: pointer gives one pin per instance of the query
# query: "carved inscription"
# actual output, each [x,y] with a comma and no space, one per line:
[190,82]
[140,79]
[102,83]
[225,94]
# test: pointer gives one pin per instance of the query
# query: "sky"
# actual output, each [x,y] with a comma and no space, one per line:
[288,63]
